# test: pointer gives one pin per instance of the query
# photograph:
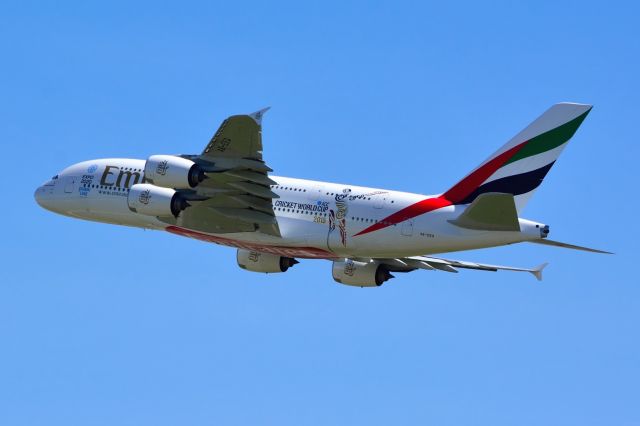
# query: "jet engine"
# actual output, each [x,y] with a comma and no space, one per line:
[360,274]
[170,171]
[256,261]
[154,200]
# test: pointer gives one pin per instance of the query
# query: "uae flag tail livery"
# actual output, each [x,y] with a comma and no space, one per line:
[519,167]
[516,169]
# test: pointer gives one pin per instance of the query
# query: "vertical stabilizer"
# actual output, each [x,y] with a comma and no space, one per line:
[519,167]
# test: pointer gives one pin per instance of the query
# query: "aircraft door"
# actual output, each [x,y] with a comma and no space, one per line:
[379,201]
[69,184]
[407,228]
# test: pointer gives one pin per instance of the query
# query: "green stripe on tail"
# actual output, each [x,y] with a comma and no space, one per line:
[549,140]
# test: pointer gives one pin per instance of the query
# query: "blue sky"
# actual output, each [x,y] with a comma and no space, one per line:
[101,325]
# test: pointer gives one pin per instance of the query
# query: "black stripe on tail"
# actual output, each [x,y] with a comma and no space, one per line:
[515,185]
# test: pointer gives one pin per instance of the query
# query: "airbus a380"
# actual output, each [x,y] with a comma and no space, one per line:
[227,195]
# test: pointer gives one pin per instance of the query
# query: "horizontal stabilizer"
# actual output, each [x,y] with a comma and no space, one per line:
[493,211]
[569,246]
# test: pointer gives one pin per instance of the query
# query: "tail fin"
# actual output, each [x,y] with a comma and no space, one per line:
[519,167]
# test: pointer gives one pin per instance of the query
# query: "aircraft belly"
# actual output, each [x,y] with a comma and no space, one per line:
[257,241]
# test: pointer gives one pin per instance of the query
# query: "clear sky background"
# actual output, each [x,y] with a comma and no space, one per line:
[105,325]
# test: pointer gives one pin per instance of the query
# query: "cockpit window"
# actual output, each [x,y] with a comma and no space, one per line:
[55,177]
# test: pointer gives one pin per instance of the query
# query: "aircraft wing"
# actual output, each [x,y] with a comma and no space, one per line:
[238,137]
[236,196]
[407,264]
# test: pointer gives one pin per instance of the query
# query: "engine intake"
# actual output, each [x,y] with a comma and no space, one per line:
[256,261]
[154,200]
[360,274]
[170,171]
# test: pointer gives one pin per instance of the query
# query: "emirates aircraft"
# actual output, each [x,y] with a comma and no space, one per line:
[227,195]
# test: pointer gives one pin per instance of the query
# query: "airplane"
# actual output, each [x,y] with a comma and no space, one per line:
[228,196]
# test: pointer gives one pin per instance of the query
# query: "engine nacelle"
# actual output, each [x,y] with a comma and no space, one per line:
[360,274]
[154,200]
[170,171]
[256,261]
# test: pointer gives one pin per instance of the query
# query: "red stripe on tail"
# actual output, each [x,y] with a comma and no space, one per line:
[466,186]
[457,193]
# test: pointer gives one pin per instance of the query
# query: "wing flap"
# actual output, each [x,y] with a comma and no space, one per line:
[255,203]
[213,164]
[419,264]
[254,189]
[246,215]
[247,175]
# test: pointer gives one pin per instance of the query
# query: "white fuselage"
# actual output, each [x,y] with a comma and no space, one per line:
[316,219]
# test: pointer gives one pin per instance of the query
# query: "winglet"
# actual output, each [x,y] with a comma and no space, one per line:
[537,272]
[257,116]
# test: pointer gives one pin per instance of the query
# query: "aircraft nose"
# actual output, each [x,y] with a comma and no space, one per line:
[43,197]
[36,194]
[39,197]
